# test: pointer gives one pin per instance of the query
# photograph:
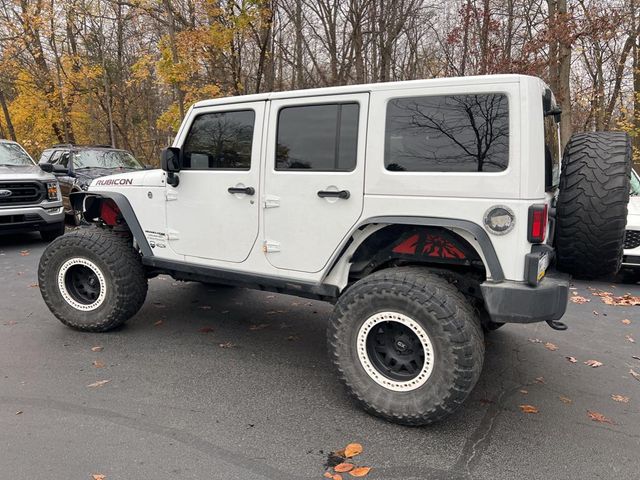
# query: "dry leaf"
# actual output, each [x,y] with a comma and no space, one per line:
[550,346]
[227,345]
[98,476]
[571,359]
[343,467]
[535,340]
[634,374]
[34,285]
[360,471]
[593,363]
[159,322]
[97,348]
[598,417]
[19,412]
[206,330]
[528,409]
[602,294]
[595,313]
[24,253]
[630,338]
[540,380]
[328,475]
[625,300]
[620,398]
[579,299]
[635,357]
[352,450]
[259,327]
[564,399]
[626,321]
[99,383]
[524,392]
[98,364]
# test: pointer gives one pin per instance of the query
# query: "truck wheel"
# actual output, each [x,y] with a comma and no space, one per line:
[50,234]
[407,345]
[591,212]
[91,280]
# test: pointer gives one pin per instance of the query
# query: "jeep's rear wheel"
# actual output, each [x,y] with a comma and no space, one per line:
[407,345]
[592,204]
[91,280]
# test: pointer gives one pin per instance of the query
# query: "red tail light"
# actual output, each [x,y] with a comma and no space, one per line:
[537,223]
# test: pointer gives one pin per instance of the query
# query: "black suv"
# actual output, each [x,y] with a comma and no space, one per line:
[77,166]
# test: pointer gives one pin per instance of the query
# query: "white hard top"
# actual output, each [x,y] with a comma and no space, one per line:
[370,87]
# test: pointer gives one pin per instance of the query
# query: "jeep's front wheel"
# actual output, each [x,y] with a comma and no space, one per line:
[407,345]
[91,280]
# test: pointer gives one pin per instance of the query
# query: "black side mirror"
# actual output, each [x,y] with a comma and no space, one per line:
[60,169]
[46,167]
[171,163]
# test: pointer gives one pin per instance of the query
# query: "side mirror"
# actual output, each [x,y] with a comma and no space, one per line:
[171,163]
[170,160]
[46,167]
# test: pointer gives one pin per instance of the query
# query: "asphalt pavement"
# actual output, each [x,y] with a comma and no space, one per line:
[228,383]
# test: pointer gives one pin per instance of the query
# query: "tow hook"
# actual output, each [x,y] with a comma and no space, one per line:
[556,325]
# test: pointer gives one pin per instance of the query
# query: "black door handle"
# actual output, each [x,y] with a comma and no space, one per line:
[344,194]
[245,190]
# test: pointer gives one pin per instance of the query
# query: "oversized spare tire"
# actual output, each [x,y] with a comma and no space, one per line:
[591,212]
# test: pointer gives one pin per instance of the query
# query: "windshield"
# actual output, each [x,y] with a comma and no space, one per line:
[104,159]
[14,154]
[635,183]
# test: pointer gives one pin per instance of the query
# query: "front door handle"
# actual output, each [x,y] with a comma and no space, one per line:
[245,190]
[344,194]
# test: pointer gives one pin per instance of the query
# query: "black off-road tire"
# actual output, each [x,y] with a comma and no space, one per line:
[441,311]
[591,212]
[51,233]
[118,263]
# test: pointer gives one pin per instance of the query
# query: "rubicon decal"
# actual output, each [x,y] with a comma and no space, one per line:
[115,181]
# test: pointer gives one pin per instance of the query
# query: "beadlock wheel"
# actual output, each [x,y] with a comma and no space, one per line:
[395,351]
[82,284]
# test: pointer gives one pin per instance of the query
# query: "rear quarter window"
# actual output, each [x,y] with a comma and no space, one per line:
[447,133]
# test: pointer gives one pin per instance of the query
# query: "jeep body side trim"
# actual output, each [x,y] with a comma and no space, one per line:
[129,215]
[481,236]
[189,271]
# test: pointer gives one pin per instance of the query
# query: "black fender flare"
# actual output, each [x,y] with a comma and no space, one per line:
[79,201]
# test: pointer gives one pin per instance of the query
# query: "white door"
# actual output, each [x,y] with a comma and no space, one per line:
[213,212]
[314,177]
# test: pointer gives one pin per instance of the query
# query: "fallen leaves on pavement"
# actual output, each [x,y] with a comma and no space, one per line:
[343,467]
[529,409]
[598,417]
[550,346]
[159,322]
[540,380]
[227,345]
[630,338]
[566,400]
[535,340]
[352,450]
[626,321]
[571,359]
[524,392]
[578,299]
[623,301]
[97,348]
[98,364]
[360,471]
[620,398]
[634,374]
[24,253]
[337,464]
[99,383]
[19,412]
[98,476]
[593,363]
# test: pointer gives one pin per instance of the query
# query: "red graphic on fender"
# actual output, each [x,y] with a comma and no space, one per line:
[434,246]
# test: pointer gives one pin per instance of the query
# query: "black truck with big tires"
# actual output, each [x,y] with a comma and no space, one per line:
[429,212]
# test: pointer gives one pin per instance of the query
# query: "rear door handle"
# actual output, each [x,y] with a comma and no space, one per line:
[245,190]
[344,194]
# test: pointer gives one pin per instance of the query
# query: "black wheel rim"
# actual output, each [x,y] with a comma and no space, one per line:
[395,351]
[82,284]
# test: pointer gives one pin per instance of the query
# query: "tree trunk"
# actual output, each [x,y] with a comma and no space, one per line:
[7,117]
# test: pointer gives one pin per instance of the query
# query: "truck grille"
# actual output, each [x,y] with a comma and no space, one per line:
[22,193]
[632,239]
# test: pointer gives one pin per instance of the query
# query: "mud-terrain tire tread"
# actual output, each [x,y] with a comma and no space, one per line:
[591,211]
[459,324]
[119,261]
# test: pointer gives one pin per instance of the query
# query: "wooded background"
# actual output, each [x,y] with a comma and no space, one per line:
[124,72]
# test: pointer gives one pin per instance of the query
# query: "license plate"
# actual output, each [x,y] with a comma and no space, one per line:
[543,263]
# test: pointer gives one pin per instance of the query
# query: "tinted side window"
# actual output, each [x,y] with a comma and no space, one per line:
[220,141]
[318,137]
[449,133]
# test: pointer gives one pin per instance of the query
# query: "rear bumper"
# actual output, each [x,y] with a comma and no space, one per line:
[23,219]
[518,302]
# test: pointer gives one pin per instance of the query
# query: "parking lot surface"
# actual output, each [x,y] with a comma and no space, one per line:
[228,383]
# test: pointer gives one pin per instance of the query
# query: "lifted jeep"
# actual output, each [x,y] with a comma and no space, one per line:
[428,211]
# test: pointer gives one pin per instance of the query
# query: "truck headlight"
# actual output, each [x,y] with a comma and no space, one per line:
[52,190]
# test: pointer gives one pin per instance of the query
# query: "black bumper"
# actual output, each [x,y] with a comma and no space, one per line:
[515,302]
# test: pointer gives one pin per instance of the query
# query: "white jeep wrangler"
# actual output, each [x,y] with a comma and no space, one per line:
[427,211]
